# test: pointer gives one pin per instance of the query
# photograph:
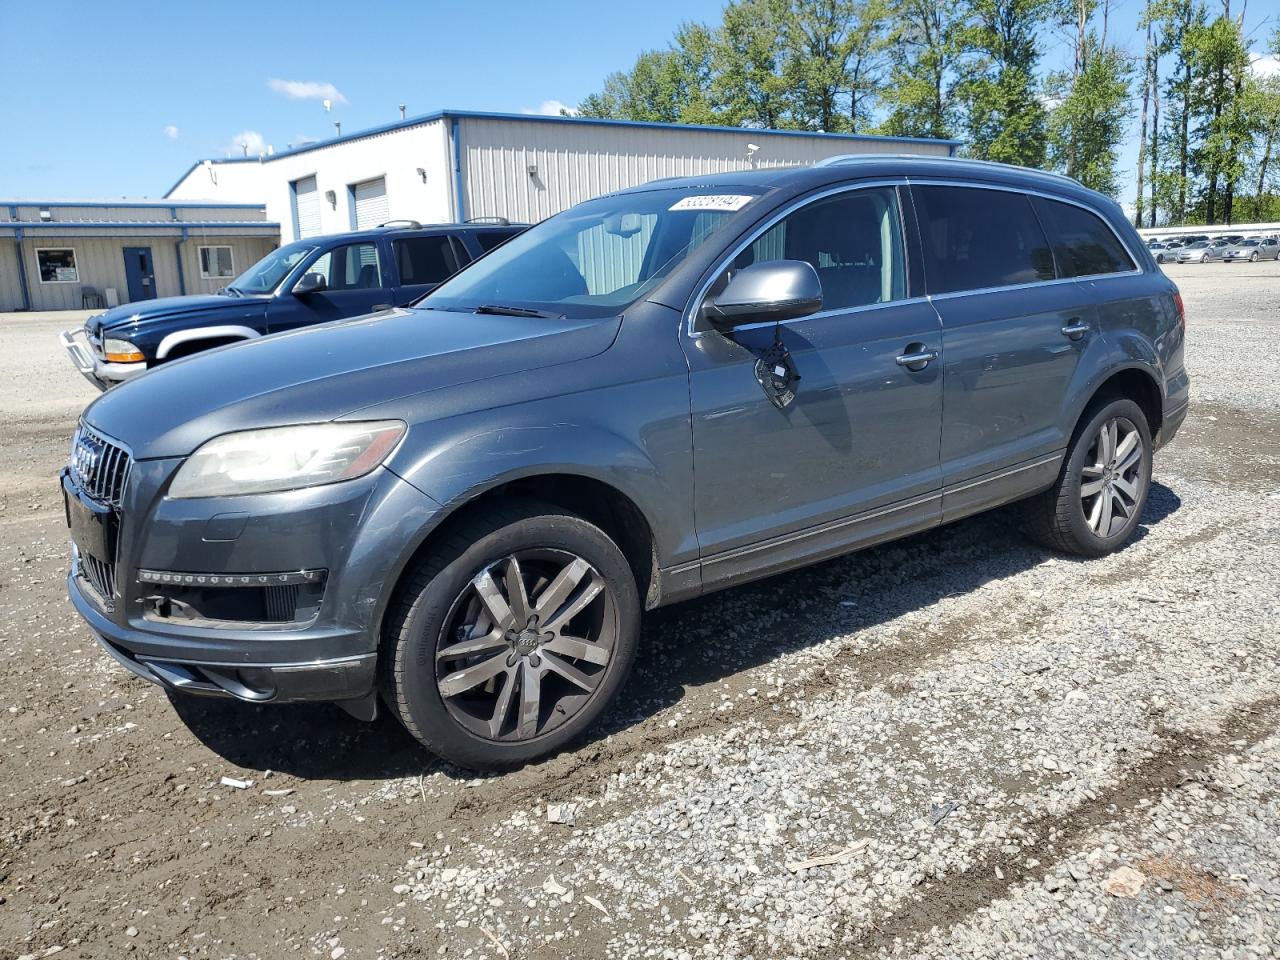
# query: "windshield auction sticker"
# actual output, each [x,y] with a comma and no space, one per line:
[719,201]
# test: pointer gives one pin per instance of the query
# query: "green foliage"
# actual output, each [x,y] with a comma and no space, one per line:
[924,45]
[1004,117]
[1087,125]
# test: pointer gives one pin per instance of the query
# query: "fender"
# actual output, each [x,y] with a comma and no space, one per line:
[456,467]
[203,333]
[1107,355]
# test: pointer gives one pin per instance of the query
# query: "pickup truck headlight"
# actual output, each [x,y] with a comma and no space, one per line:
[285,458]
[121,351]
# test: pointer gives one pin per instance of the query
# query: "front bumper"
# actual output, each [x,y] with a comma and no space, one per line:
[293,673]
[100,373]
[362,532]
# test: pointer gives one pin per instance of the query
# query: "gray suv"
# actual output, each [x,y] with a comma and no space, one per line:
[461,509]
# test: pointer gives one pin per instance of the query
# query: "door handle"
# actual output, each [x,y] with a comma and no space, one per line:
[917,357]
[1075,329]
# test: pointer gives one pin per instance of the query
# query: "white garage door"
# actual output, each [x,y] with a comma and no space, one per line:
[371,204]
[307,206]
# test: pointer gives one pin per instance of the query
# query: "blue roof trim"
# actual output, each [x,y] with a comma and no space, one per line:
[113,224]
[544,118]
[186,204]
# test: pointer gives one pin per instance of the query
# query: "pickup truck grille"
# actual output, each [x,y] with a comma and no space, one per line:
[99,467]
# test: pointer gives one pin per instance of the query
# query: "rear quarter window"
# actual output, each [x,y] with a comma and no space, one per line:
[1083,244]
[976,238]
[426,259]
[489,239]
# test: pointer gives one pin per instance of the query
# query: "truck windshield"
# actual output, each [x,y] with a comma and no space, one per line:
[265,275]
[595,258]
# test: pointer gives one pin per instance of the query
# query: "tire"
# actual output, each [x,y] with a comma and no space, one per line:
[1253,257]
[1063,517]
[473,709]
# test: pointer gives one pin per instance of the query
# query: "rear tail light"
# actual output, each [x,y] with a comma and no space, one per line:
[1182,311]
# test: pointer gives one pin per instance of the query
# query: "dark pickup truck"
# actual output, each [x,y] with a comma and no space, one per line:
[304,283]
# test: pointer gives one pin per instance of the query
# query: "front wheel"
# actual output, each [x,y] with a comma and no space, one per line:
[1253,257]
[512,637]
[1095,505]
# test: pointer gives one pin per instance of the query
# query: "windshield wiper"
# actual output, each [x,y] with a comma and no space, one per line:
[497,308]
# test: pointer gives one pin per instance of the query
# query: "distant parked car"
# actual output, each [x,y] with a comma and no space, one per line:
[1163,251]
[304,283]
[1202,251]
[1252,250]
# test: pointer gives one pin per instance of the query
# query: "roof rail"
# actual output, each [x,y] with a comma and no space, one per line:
[845,158]
[408,224]
[497,221]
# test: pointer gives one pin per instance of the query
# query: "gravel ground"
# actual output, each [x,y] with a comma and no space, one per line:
[955,745]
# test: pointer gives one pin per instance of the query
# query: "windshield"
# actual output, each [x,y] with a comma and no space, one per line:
[595,258]
[265,275]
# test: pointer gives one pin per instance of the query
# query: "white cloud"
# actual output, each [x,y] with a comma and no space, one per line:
[306,90]
[171,132]
[1264,64]
[551,108]
[247,143]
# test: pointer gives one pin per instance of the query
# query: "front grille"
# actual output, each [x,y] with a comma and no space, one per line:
[100,467]
[101,576]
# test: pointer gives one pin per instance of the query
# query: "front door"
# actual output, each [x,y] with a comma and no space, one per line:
[855,455]
[140,273]
[354,276]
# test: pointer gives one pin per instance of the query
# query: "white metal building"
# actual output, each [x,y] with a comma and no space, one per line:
[69,255]
[457,165]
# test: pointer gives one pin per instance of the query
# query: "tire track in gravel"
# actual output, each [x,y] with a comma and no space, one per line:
[942,905]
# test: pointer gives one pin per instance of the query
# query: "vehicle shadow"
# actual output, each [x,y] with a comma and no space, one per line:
[685,646]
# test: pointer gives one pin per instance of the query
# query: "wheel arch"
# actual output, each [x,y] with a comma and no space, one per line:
[1138,382]
[224,333]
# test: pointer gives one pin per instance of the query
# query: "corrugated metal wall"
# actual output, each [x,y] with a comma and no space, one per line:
[100,264]
[574,163]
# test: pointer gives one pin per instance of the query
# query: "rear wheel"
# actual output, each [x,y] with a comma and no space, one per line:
[512,638]
[1097,502]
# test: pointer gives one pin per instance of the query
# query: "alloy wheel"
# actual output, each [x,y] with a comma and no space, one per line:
[526,644]
[1111,482]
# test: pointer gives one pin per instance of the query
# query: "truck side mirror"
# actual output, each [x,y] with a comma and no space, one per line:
[308,284]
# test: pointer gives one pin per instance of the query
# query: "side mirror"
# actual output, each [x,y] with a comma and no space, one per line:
[772,290]
[309,283]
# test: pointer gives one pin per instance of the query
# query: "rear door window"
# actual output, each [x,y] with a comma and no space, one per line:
[426,259]
[488,239]
[1083,244]
[977,238]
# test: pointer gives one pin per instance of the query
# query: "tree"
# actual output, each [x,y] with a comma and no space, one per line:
[664,86]
[747,57]
[1219,61]
[1003,114]
[1087,125]
[923,51]
[831,64]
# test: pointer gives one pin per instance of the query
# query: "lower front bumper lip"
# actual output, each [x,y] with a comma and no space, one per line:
[98,372]
[252,674]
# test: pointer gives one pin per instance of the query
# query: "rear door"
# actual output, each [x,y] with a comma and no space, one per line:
[355,275]
[1011,340]
[423,262]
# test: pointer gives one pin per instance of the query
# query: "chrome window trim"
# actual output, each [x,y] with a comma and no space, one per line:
[691,310]
[1028,191]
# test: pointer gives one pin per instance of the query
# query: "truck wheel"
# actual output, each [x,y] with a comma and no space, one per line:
[511,637]
[1097,501]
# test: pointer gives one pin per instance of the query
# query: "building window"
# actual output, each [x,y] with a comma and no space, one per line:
[57,265]
[216,264]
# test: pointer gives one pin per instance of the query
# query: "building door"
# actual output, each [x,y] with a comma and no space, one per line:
[370,204]
[140,272]
[306,207]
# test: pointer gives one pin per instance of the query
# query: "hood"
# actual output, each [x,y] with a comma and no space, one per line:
[320,373]
[164,307]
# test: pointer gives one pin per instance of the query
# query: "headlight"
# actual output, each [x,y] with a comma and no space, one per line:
[121,351]
[285,458]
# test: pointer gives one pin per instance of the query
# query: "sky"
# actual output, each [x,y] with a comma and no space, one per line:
[106,100]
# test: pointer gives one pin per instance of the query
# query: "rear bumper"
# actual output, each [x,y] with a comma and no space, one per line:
[293,673]
[98,372]
[1173,419]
